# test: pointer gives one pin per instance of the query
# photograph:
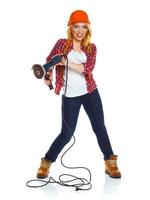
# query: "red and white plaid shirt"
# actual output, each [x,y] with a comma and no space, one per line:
[88,66]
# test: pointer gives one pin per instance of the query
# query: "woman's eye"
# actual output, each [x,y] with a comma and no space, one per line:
[80,27]
[85,27]
[76,26]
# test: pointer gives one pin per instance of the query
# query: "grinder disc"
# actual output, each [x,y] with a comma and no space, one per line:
[38,71]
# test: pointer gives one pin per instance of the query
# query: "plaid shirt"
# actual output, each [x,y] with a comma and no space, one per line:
[88,66]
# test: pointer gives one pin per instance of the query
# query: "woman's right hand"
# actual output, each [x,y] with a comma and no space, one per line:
[48,78]
[47,82]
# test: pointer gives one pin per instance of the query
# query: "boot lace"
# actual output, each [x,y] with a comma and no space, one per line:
[44,163]
[113,163]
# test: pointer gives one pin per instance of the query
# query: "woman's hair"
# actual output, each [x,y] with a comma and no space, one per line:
[86,40]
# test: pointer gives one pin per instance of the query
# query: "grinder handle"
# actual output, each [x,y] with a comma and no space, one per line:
[47,77]
[51,86]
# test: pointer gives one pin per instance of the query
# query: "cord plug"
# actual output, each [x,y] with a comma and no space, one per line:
[77,189]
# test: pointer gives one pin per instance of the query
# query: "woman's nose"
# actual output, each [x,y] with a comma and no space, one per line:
[80,30]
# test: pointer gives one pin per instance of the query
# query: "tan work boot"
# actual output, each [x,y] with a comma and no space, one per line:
[43,169]
[111,167]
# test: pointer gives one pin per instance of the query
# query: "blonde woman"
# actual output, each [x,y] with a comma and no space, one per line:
[81,90]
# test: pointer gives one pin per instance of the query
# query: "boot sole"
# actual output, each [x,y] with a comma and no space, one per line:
[117,176]
[41,177]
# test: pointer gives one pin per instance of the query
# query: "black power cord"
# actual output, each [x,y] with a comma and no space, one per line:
[81,183]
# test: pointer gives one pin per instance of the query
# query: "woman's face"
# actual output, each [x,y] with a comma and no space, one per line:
[79,30]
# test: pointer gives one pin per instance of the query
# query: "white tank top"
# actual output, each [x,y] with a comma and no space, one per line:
[76,84]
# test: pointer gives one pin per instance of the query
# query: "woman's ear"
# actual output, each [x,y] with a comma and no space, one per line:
[71,32]
[71,29]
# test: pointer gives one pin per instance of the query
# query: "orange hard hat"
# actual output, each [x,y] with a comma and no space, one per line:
[78,16]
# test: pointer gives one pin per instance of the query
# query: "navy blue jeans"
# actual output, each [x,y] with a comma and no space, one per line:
[70,111]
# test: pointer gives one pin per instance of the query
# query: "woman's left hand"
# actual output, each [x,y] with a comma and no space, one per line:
[63,62]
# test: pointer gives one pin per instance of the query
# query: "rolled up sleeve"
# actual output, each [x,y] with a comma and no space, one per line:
[91,60]
[55,50]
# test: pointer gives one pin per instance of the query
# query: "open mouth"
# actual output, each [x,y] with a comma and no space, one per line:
[80,36]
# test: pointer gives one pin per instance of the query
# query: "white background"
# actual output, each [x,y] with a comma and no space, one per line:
[30,113]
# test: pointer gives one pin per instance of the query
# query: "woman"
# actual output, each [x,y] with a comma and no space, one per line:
[81,90]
